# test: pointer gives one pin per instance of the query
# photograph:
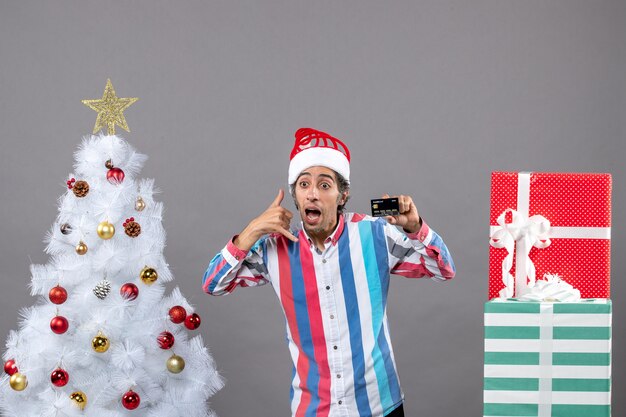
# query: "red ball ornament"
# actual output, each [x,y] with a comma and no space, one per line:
[166,340]
[131,400]
[10,367]
[192,322]
[57,295]
[178,314]
[129,291]
[59,324]
[59,377]
[115,176]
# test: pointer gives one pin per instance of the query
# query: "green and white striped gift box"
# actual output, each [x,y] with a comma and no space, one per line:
[547,359]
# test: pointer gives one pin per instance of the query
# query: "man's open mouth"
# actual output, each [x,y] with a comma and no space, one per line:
[312,214]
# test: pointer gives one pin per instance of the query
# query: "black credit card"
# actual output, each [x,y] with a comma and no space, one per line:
[385,207]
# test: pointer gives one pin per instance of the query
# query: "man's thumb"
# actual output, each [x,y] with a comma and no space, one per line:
[278,199]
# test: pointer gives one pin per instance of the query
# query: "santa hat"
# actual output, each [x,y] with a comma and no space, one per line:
[315,148]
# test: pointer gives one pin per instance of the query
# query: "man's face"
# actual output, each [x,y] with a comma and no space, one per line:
[317,197]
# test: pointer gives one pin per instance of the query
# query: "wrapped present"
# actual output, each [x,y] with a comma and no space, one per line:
[550,222]
[547,359]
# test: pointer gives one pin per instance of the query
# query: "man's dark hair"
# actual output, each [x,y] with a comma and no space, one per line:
[342,185]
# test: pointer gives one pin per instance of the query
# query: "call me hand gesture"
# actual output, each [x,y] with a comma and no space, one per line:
[275,219]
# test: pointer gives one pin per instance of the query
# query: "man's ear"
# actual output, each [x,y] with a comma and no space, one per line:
[344,197]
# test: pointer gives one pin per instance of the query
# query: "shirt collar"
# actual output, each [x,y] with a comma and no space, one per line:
[334,236]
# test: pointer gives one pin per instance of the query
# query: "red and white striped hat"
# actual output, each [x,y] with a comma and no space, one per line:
[315,148]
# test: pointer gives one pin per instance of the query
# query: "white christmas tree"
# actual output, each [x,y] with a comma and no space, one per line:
[103,338]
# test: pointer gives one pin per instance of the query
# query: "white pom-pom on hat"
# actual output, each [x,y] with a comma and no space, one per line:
[316,148]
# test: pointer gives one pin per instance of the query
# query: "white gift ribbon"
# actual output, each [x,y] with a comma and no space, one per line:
[546,323]
[523,233]
[519,236]
[550,288]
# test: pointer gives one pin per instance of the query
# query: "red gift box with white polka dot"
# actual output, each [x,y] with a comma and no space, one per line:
[566,200]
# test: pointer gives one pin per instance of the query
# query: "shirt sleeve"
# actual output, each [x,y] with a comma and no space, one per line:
[232,268]
[420,254]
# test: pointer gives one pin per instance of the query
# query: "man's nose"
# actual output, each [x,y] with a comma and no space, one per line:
[311,194]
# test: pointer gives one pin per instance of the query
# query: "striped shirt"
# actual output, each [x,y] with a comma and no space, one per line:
[335,305]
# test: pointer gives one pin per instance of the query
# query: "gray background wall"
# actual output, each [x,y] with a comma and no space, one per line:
[431,96]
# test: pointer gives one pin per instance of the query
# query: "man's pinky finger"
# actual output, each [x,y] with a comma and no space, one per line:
[288,234]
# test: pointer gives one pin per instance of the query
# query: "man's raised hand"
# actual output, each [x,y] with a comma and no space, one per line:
[409,218]
[275,219]
[279,217]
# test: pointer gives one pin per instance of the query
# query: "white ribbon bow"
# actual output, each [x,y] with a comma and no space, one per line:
[550,288]
[522,234]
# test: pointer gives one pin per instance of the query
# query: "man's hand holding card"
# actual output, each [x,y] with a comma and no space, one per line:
[399,211]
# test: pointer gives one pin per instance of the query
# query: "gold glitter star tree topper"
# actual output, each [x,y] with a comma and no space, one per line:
[110,110]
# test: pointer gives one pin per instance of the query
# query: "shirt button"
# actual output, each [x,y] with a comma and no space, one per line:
[335,347]
[332,316]
[237,257]
[338,375]
[339,402]
[324,261]
[328,287]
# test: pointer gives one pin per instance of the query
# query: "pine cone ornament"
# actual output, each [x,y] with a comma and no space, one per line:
[80,188]
[102,289]
[131,227]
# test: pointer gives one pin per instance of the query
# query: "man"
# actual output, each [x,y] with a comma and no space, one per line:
[332,278]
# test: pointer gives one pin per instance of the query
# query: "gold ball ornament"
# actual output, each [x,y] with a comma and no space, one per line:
[100,343]
[18,381]
[79,399]
[140,204]
[81,248]
[106,230]
[175,364]
[148,275]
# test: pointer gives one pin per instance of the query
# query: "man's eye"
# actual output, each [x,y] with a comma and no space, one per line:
[303,184]
[325,186]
